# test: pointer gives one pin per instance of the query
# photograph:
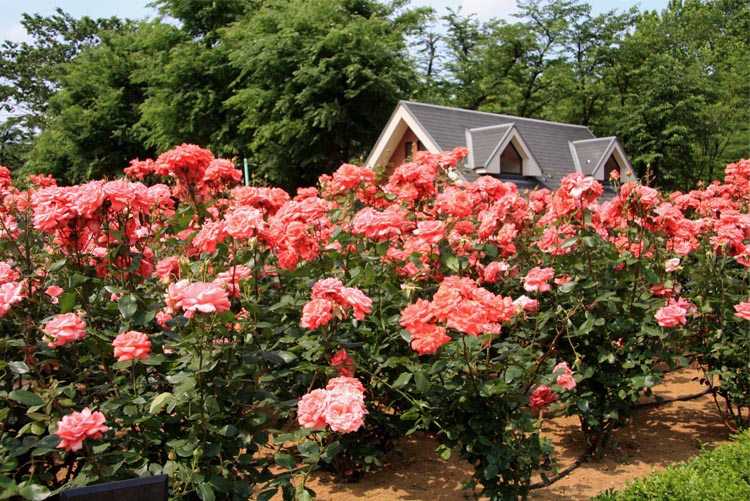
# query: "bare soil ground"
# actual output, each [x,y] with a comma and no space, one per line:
[656,437]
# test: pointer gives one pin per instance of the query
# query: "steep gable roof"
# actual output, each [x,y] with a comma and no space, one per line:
[557,149]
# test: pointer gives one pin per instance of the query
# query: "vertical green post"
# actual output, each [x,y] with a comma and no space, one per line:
[247,172]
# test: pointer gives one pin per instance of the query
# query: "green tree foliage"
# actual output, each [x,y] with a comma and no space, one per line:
[190,79]
[683,85]
[30,74]
[318,82]
[90,131]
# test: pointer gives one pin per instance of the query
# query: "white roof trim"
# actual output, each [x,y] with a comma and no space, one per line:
[401,117]
[530,165]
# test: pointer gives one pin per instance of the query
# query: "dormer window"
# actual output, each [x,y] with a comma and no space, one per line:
[511,161]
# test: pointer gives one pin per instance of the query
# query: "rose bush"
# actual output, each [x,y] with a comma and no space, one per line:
[237,337]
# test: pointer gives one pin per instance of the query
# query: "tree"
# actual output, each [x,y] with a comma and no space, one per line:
[318,82]
[684,91]
[90,123]
[30,74]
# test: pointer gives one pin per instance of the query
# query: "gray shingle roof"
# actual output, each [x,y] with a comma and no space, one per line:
[484,142]
[549,142]
[590,154]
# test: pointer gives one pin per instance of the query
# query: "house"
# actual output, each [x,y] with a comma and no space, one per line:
[531,153]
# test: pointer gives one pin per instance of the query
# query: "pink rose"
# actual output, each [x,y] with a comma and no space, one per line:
[10,294]
[537,279]
[742,310]
[671,315]
[566,378]
[131,344]
[311,409]
[345,410]
[541,396]
[316,312]
[74,428]
[64,328]
[205,297]
[54,292]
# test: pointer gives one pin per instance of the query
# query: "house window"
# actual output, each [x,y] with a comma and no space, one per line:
[610,166]
[420,146]
[511,161]
[408,150]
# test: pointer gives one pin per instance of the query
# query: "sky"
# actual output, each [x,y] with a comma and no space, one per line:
[11,29]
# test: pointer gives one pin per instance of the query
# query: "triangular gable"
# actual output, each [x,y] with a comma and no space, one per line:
[590,157]
[401,120]
[487,144]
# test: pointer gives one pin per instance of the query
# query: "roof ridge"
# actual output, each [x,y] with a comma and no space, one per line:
[407,102]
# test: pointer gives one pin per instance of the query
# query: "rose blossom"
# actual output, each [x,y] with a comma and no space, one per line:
[64,328]
[566,378]
[343,363]
[54,291]
[541,396]
[10,294]
[205,297]
[341,405]
[131,344]
[74,428]
[316,312]
[672,265]
[671,315]
[742,310]
[537,279]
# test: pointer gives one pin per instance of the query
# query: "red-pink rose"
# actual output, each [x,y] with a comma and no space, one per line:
[131,344]
[74,428]
[316,312]
[64,328]
[541,396]
[343,363]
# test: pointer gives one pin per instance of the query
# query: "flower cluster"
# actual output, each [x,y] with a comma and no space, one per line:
[330,298]
[341,405]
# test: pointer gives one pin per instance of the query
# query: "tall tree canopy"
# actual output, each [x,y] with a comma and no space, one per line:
[318,80]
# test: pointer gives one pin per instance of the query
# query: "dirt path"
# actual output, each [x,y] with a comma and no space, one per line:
[657,436]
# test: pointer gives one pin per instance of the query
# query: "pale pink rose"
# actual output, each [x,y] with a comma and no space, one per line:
[316,312]
[131,344]
[245,223]
[74,428]
[64,328]
[204,297]
[742,310]
[671,315]
[311,409]
[541,396]
[10,294]
[536,280]
[525,303]
[168,268]
[672,265]
[346,410]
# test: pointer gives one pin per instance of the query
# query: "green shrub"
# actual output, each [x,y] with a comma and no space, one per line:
[720,474]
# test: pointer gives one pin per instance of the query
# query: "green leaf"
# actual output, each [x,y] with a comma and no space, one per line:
[285,460]
[128,305]
[26,398]
[19,367]
[302,493]
[423,384]
[401,381]
[158,402]
[205,492]
[444,451]
[67,302]
[34,492]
